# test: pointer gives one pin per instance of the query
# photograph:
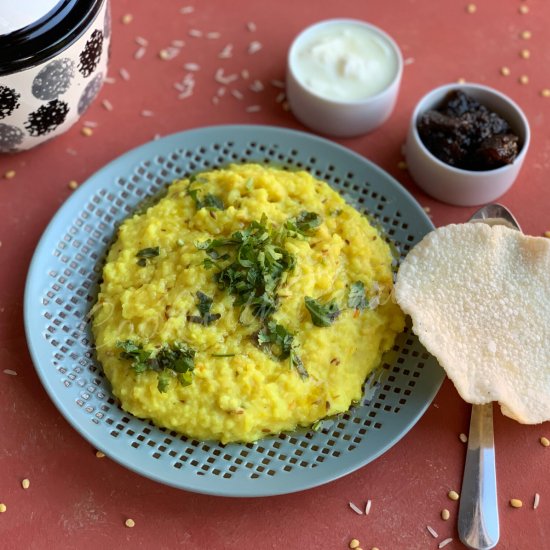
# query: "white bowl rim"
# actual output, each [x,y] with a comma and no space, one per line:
[464,87]
[337,21]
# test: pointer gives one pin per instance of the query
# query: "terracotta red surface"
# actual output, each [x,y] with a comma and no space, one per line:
[76,500]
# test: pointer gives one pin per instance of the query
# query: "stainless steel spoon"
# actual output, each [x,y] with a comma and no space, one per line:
[478,524]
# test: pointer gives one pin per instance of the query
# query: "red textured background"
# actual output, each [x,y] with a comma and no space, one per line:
[79,501]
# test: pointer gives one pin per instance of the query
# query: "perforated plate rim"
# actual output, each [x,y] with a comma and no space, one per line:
[117,448]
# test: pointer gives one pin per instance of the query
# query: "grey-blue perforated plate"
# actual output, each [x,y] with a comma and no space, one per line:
[62,284]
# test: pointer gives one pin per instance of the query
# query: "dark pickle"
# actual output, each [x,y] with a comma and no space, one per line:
[465,134]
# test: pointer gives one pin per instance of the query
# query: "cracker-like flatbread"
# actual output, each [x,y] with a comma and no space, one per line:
[479,298]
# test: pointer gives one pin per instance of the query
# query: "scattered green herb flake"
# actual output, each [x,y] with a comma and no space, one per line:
[208,200]
[356,298]
[303,223]
[176,359]
[322,315]
[204,306]
[223,355]
[249,184]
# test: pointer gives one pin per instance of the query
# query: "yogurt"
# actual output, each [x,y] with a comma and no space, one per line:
[345,62]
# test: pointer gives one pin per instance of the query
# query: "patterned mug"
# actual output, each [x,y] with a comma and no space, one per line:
[51,69]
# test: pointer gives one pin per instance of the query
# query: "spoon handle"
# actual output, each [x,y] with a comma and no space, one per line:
[478,525]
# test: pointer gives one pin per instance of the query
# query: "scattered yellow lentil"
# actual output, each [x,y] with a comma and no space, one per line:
[127,18]
[516,503]
[471,8]
[354,543]
[164,54]
[505,71]
[525,53]
[453,495]
[86,131]
[375,548]
[402,165]
[99,454]
[525,35]
[129,522]
[545,92]
[10,174]
[445,514]
[426,209]
[544,440]
[25,483]
[3,507]
[524,79]
[73,184]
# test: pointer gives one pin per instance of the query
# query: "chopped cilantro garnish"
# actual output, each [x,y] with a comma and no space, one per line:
[276,341]
[176,360]
[146,254]
[322,315]
[304,222]
[204,306]
[356,297]
[201,200]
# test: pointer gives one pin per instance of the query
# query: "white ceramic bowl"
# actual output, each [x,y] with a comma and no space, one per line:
[455,185]
[341,118]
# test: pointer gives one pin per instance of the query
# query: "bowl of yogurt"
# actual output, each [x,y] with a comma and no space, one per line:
[343,77]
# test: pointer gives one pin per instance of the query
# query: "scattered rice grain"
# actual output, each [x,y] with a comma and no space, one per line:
[505,71]
[90,123]
[109,80]
[463,438]
[544,440]
[402,165]
[146,113]
[461,80]
[25,483]
[525,35]
[192,67]
[432,532]
[10,174]
[471,8]
[71,151]
[285,106]
[237,94]
[127,18]
[140,41]
[167,54]
[408,61]
[426,209]
[536,501]
[226,52]
[186,86]
[107,105]
[278,84]
[516,503]
[177,43]
[73,184]
[222,78]
[195,33]
[221,91]
[524,79]
[3,507]
[453,495]
[124,74]
[253,109]
[86,131]
[9,371]
[280,97]
[368,506]
[213,35]
[256,86]
[245,75]
[355,508]
[251,26]
[523,9]
[186,10]
[140,52]
[254,47]
[129,523]
[444,543]
[215,100]
[445,514]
